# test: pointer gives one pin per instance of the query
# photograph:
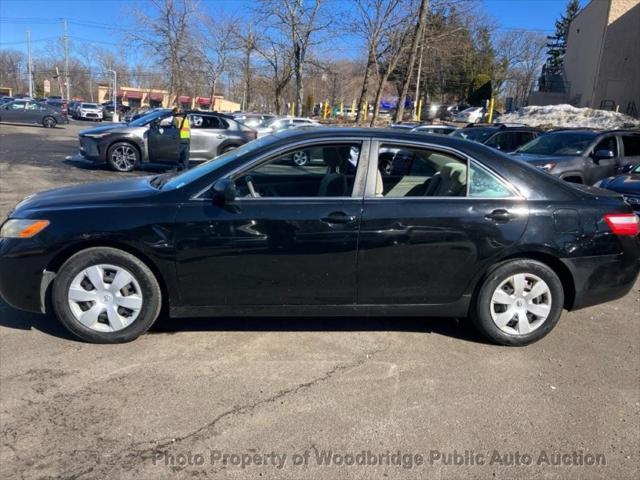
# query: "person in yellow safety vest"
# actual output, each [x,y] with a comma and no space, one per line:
[181,122]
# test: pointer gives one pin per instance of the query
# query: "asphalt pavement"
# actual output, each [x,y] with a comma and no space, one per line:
[274,398]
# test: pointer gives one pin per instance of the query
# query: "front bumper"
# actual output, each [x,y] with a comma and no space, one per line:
[91,150]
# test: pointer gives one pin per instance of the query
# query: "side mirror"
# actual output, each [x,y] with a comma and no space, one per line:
[627,168]
[603,155]
[224,191]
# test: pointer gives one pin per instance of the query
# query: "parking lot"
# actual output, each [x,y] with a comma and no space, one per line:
[248,398]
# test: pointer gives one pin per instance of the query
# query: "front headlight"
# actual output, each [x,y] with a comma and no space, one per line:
[96,135]
[19,228]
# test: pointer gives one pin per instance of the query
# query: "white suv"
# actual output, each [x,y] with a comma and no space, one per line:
[89,111]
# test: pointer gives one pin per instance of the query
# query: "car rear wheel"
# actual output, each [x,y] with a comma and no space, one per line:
[105,295]
[49,122]
[123,157]
[519,302]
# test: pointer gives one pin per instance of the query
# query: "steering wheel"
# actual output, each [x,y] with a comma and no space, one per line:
[252,189]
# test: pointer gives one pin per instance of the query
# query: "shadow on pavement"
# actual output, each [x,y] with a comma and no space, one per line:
[460,329]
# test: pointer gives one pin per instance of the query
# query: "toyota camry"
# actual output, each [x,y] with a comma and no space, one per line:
[381,222]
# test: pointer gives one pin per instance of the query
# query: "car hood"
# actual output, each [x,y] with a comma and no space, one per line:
[629,184]
[104,128]
[87,195]
[542,159]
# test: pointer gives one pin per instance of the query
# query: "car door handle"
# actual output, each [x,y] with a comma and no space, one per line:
[500,215]
[338,217]
[221,136]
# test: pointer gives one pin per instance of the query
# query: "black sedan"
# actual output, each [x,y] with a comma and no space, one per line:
[446,228]
[627,184]
[30,111]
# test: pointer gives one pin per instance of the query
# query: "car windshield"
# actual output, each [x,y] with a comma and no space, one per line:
[148,118]
[89,105]
[475,134]
[559,143]
[182,179]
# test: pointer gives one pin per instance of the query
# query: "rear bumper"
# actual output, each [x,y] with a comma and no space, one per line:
[602,278]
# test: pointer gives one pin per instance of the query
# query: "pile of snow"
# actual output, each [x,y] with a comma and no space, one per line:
[567,116]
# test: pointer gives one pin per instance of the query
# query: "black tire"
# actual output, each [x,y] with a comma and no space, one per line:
[123,157]
[481,314]
[49,122]
[150,290]
[228,149]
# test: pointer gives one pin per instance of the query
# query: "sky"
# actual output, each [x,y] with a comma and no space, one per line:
[89,20]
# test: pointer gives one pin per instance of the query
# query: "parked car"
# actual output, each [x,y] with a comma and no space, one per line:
[89,111]
[454,229]
[435,128]
[278,124]
[627,183]
[107,110]
[404,125]
[154,138]
[501,136]
[470,115]
[254,120]
[6,100]
[583,155]
[30,111]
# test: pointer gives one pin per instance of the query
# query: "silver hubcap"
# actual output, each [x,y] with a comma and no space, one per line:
[521,304]
[300,158]
[124,157]
[48,122]
[105,298]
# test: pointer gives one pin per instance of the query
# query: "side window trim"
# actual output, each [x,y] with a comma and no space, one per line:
[373,168]
[358,187]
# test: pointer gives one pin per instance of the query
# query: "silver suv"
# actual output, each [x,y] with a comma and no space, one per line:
[153,138]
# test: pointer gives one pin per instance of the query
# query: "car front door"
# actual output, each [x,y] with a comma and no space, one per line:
[163,141]
[14,111]
[430,223]
[289,238]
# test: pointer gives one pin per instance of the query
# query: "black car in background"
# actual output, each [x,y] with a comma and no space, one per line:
[451,228]
[627,184]
[108,109]
[502,136]
[30,111]
[583,155]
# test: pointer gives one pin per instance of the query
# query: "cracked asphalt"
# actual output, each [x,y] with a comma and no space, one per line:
[253,398]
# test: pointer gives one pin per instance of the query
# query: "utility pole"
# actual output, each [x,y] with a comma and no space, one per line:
[66,59]
[29,64]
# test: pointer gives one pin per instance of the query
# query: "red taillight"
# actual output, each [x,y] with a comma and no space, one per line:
[623,223]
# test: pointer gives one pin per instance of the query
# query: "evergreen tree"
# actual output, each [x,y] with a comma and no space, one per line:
[557,44]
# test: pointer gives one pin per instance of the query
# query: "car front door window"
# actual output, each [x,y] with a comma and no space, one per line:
[312,171]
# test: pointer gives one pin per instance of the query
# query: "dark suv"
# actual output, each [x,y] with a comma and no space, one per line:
[502,136]
[583,155]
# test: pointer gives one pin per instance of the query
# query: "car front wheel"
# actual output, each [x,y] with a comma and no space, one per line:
[519,302]
[105,295]
[123,157]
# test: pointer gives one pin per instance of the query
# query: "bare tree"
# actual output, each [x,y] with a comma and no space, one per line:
[417,35]
[520,56]
[298,22]
[374,20]
[218,40]
[279,62]
[169,35]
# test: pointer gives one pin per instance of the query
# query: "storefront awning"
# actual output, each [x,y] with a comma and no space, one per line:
[133,95]
[203,101]
[184,99]
[156,97]
[120,93]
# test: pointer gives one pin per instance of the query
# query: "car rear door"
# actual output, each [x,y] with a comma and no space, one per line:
[425,232]
[294,244]
[207,133]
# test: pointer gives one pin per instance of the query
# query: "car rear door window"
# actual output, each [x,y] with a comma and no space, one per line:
[326,170]
[483,184]
[419,172]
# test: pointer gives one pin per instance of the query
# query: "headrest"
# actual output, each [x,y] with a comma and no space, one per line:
[334,157]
